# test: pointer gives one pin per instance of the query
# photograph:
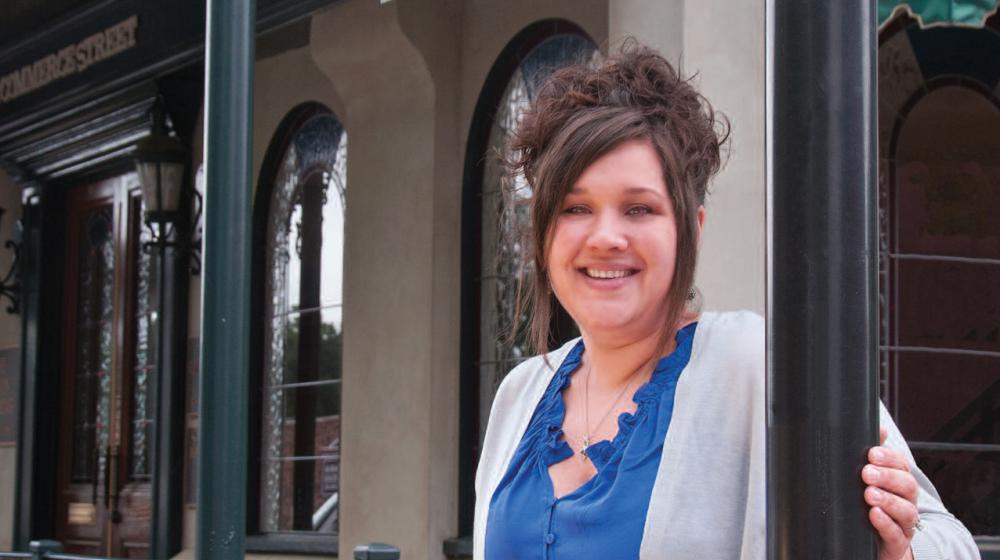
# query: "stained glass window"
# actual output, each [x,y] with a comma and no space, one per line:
[939,265]
[300,418]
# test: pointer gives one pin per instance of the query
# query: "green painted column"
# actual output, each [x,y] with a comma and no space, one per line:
[222,446]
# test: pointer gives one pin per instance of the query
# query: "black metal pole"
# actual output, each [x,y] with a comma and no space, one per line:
[222,446]
[173,258]
[822,290]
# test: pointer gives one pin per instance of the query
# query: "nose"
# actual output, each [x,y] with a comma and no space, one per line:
[608,233]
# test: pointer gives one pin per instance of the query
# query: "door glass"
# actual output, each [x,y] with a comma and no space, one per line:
[144,322]
[95,284]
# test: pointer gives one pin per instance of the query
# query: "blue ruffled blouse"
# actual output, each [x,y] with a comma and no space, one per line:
[603,518]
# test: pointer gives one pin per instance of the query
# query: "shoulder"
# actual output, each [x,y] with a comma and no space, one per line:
[513,405]
[530,377]
[731,335]
[728,353]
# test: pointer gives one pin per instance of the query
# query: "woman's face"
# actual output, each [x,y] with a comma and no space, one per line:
[613,248]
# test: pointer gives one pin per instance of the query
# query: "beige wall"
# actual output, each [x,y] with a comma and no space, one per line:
[393,426]
[655,23]
[10,200]
[8,470]
[10,337]
[731,75]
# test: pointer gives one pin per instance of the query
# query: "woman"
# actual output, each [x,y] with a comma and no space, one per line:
[645,437]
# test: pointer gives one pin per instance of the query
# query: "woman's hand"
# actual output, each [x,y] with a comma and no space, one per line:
[892,495]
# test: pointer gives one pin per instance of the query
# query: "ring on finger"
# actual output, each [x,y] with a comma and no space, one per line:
[918,526]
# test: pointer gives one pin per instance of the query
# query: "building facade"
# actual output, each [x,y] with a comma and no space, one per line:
[382,277]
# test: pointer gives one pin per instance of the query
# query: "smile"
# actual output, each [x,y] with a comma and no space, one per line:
[607,274]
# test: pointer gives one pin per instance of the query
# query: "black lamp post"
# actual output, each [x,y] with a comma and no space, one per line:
[160,162]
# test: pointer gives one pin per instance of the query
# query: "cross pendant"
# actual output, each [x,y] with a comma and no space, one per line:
[586,444]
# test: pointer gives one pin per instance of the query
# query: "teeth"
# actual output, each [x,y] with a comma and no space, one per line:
[607,274]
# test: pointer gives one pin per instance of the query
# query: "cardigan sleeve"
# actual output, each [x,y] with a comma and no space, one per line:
[943,536]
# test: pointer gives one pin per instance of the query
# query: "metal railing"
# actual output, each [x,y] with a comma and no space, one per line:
[47,549]
[52,550]
[376,551]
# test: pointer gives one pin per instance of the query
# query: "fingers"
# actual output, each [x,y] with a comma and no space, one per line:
[885,457]
[892,494]
[892,481]
[895,542]
[903,512]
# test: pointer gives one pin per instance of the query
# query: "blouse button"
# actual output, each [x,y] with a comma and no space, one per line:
[550,538]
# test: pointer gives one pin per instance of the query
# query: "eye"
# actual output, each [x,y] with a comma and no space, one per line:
[577,209]
[638,210]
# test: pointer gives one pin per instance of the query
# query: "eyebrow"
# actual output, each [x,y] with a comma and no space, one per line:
[628,190]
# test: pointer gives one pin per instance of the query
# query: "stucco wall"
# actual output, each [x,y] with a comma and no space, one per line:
[10,340]
[387,439]
[656,23]
[731,269]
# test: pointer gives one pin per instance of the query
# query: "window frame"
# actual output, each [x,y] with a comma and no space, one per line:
[257,540]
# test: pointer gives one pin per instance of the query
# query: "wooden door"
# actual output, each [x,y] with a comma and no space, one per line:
[105,453]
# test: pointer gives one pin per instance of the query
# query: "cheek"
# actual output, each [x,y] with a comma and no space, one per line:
[562,246]
[663,252]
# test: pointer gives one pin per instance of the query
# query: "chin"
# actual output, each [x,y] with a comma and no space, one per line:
[614,324]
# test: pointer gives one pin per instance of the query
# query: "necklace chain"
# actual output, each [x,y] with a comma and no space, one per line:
[586,407]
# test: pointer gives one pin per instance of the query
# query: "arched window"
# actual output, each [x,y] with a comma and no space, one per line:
[939,266]
[491,252]
[298,279]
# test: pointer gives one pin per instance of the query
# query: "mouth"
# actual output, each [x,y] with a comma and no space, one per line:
[601,274]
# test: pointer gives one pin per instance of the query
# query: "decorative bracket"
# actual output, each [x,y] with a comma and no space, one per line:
[161,239]
[10,284]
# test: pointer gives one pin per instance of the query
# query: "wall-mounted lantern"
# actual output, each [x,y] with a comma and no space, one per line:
[160,162]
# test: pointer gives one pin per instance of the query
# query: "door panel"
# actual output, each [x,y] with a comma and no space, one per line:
[104,504]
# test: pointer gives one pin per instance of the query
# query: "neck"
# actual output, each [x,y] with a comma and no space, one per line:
[613,365]
[614,362]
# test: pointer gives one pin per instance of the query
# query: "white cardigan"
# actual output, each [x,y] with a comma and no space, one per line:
[708,500]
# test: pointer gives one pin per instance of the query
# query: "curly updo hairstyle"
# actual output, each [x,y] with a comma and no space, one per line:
[581,113]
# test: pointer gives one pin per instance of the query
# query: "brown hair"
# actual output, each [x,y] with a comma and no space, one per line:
[583,112]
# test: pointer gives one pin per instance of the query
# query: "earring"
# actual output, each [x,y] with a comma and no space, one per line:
[692,293]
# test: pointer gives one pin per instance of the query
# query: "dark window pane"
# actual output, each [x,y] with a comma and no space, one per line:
[948,398]
[312,333]
[948,175]
[969,484]
[300,508]
[953,305]
[303,428]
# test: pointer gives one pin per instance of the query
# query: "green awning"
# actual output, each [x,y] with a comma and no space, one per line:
[953,12]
